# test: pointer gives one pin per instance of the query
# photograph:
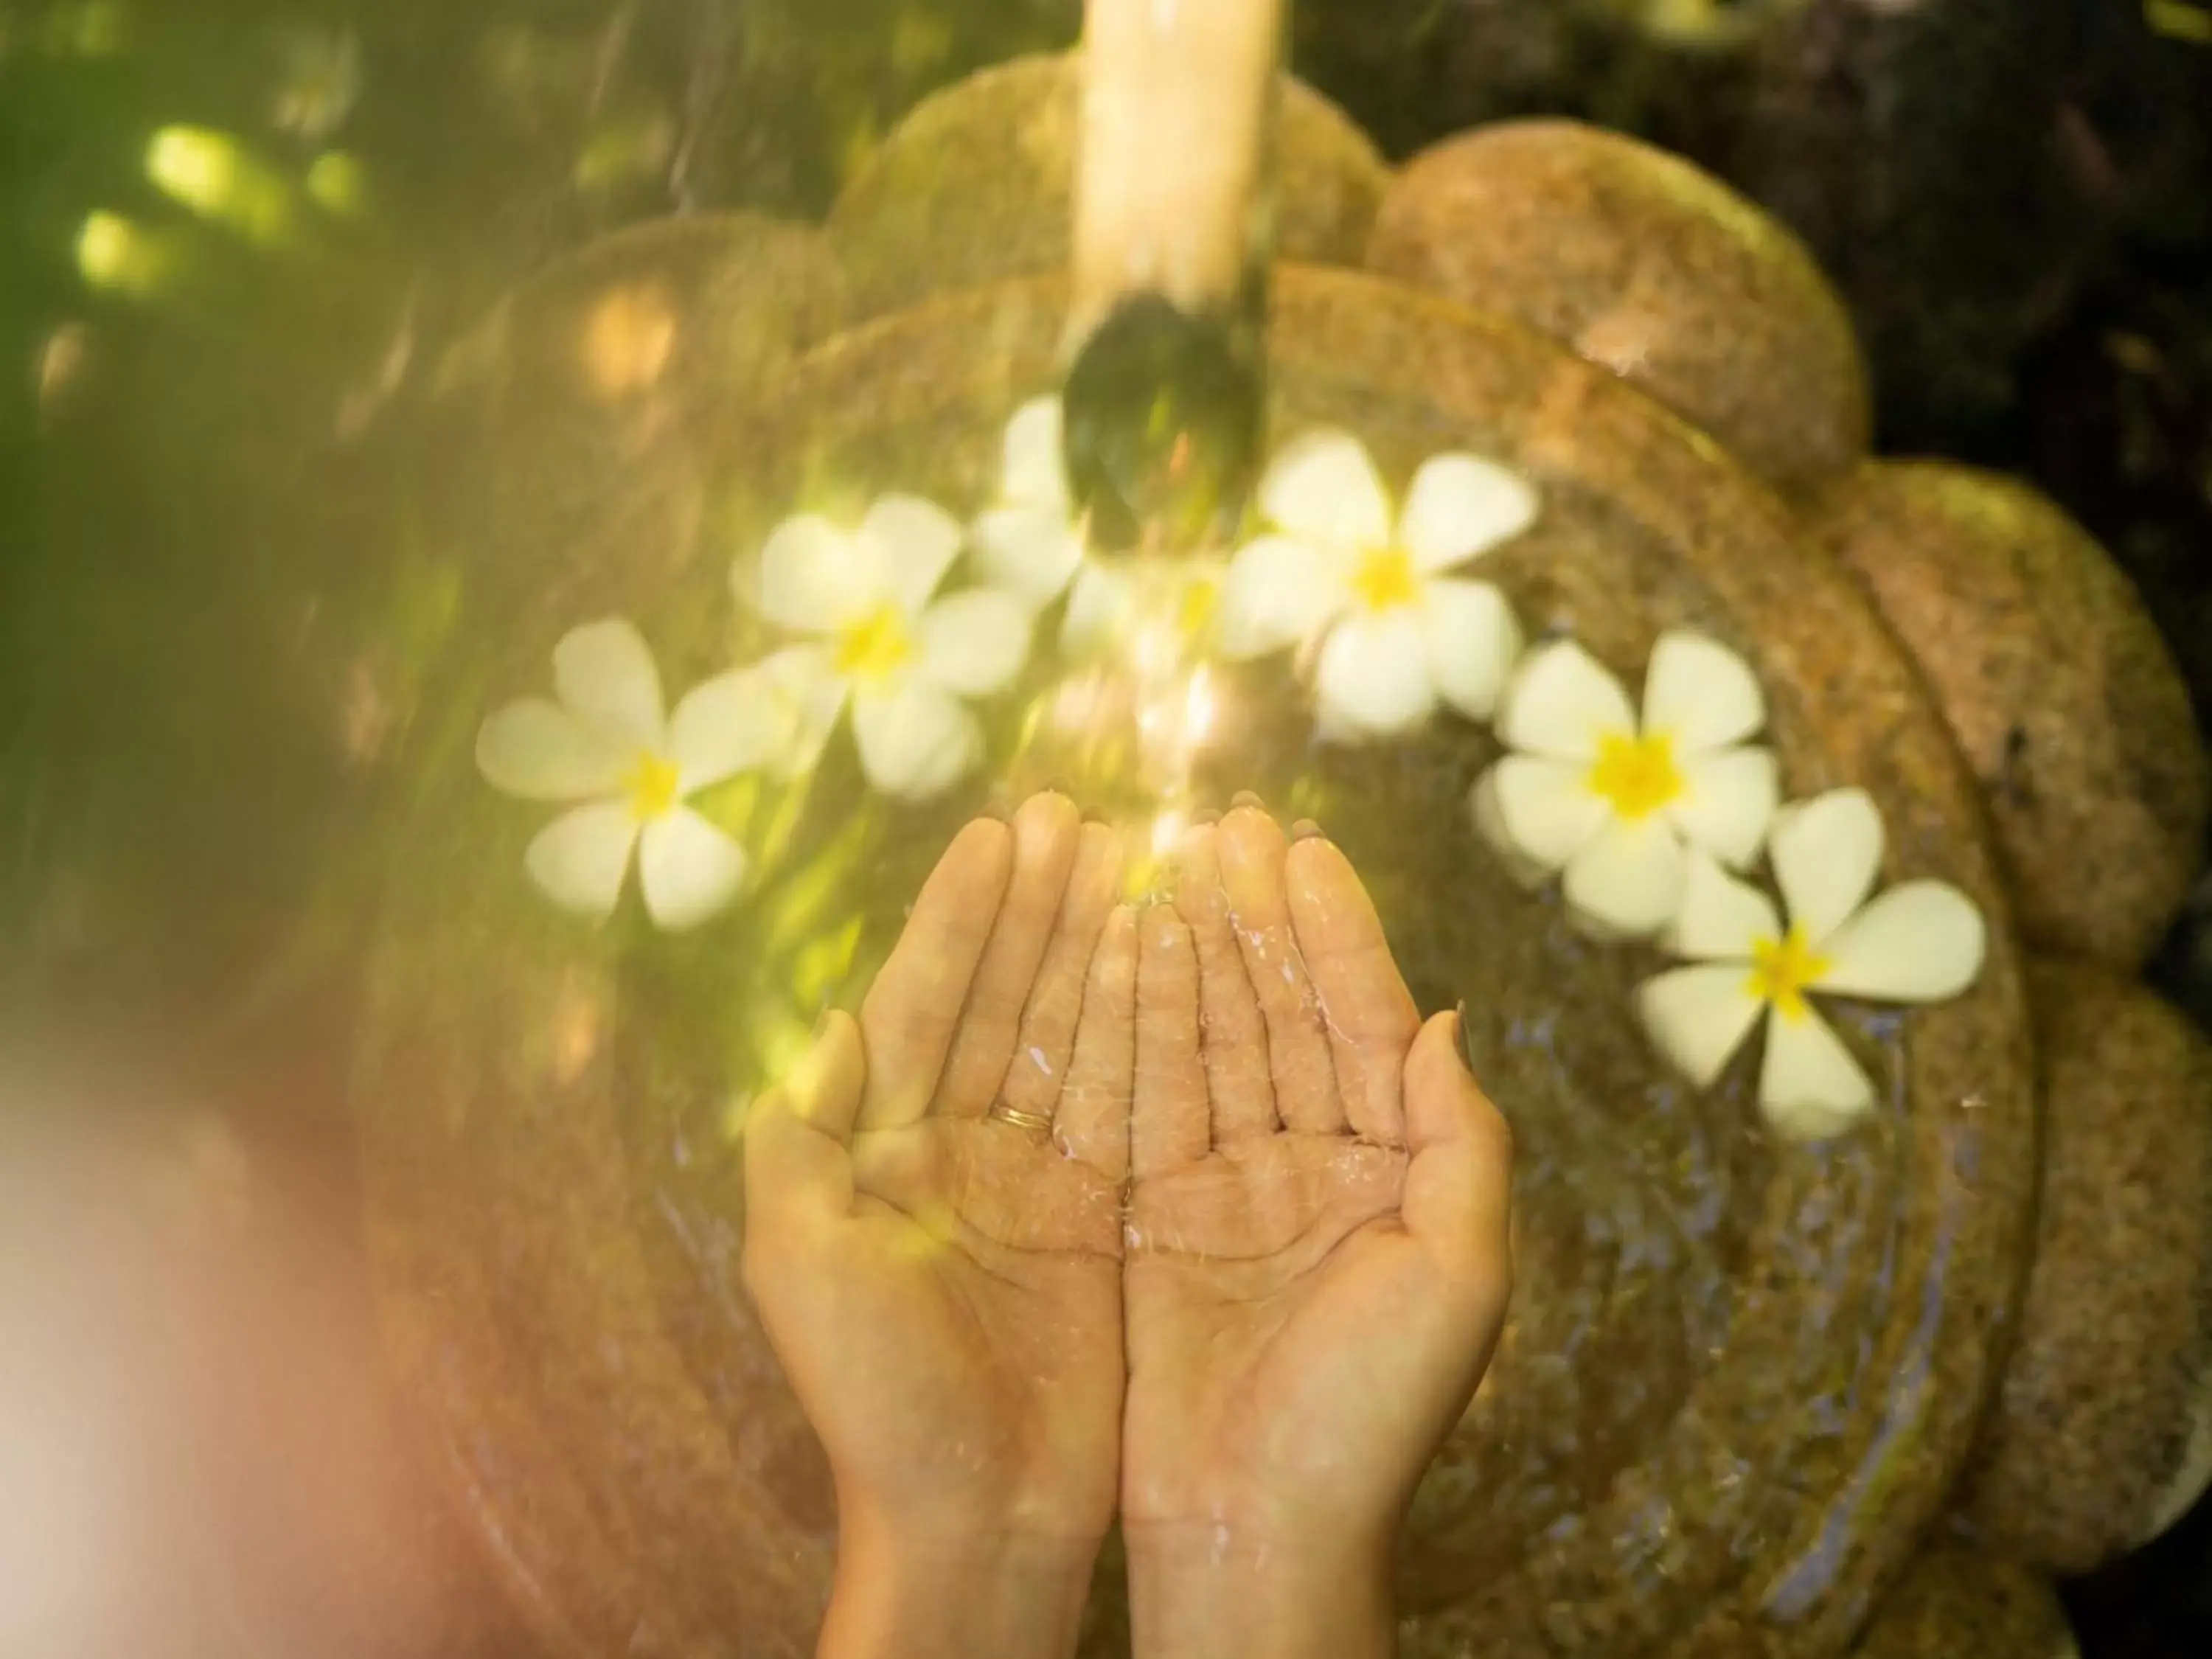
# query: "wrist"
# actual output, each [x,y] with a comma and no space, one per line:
[919,1591]
[1270,1590]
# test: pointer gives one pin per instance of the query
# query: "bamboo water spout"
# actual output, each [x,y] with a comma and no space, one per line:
[1174,229]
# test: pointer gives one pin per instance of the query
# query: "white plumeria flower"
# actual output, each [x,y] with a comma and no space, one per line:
[1921,941]
[1398,633]
[1032,545]
[903,659]
[606,744]
[1610,798]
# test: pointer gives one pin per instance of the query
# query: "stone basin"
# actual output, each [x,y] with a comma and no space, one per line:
[1739,1372]
[1742,1375]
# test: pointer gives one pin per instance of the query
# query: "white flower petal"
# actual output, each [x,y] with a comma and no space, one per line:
[1459,506]
[1698,1018]
[1097,607]
[1279,592]
[1727,802]
[1490,824]
[1562,702]
[1826,853]
[912,543]
[1322,487]
[1473,640]
[1809,1087]
[1034,467]
[804,681]
[1628,880]
[1700,693]
[605,675]
[1373,676]
[915,739]
[581,857]
[975,642]
[811,578]
[1031,551]
[1721,919]
[688,868]
[731,724]
[1921,941]
[1542,810]
[538,751]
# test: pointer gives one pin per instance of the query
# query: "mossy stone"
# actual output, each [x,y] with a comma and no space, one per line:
[1643,264]
[1955,1603]
[585,414]
[977,184]
[2054,679]
[1705,1352]
[2095,1443]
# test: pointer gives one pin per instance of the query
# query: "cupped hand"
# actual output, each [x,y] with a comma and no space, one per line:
[1318,1262]
[942,1285]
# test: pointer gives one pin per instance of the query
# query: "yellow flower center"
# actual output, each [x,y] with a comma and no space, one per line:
[875,647]
[1199,599]
[1636,777]
[1782,969]
[1384,579]
[651,785]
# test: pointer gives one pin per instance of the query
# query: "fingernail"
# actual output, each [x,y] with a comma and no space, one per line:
[1465,1043]
[822,1023]
[996,811]
[1092,815]
[1209,816]
[1306,830]
[1246,798]
[1061,786]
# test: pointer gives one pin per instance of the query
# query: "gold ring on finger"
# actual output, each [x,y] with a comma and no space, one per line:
[1035,1123]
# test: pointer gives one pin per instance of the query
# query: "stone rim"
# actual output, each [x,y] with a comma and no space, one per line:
[1830,1560]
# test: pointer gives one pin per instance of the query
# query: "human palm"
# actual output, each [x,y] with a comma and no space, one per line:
[1186,1210]
[1317,1261]
[944,1285]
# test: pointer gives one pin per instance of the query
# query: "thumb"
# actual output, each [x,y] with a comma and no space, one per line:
[1459,1185]
[799,1165]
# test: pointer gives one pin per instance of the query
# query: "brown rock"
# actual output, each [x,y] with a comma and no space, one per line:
[2097,1441]
[1648,266]
[1667,1459]
[589,404]
[1956,1604]
[2058,686]
[977,184]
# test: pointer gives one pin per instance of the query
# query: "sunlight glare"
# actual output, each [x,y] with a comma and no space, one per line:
[114,253]
[215,176]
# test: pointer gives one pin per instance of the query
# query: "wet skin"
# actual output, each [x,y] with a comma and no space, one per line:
[1236,1285]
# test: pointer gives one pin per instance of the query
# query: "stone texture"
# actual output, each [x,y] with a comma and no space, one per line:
[1715,1333]
[2056,683]
[977,184]
[585,410]
[1956,1604]
[1643,264]
[2099,1439]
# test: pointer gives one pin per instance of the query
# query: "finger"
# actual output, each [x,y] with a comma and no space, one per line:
[1235,1045]
[1092,1122]
[1251,850]
[1039,1066]
[799,1168]
[910,1013]
[1366,1007]
[1046,830]
[1168,1117]
[1459,1183]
